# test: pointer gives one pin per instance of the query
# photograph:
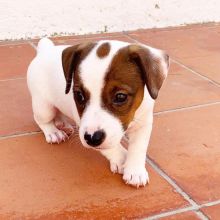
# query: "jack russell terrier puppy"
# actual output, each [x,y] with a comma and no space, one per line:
[108,88]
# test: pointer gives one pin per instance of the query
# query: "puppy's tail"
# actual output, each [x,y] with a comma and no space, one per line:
[44,44]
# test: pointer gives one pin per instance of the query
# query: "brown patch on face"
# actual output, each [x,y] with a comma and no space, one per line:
[103,50]
[80,93]
[132,67]
[123,80]
[71,59]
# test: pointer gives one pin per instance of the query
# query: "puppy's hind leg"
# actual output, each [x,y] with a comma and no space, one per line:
[63,123]
[44,114]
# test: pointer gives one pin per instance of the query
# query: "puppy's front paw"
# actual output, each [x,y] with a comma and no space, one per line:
[56,136]
[136,176]
[116,157]
[117,167]
[117,162]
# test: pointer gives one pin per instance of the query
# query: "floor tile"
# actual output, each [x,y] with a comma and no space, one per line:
[15,113]
[67,181]
[178,43]
[191,47]
[207,65]
[183,88]
[213,212]
[41,181]
[15,60]
[183,42]
[185,145]
[182,216]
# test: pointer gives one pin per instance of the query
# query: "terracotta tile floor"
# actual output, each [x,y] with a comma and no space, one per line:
[66,181]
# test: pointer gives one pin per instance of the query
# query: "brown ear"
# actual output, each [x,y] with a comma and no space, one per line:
[153,64]
[71,58]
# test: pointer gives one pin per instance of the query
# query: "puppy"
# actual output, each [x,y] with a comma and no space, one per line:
[108,88]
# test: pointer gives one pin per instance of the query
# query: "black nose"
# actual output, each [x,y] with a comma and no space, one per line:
[96,139]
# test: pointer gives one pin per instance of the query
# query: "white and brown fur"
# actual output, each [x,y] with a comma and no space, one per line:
[86,82]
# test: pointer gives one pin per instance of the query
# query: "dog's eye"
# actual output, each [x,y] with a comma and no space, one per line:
[120,98]
[79,97]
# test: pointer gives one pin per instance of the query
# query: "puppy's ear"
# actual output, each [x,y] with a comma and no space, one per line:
[71,58]
[153,65]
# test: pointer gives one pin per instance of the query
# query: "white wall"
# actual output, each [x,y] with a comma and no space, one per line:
[30,18]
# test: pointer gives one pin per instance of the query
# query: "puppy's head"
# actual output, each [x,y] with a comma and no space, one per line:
[108,86]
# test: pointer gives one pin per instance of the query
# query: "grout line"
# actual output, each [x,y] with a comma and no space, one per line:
[178,189]
[3,137]
[187,108]
[13,44]
[196,73]
[19,78]
[169,213]
[131,38]
[171,182]
[76,39]
[201,215]
[57,39]
[196,210]
[217,202]
[95,37]
[180,27]
[32,45]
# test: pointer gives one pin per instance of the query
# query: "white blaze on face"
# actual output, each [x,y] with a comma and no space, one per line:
[92,73]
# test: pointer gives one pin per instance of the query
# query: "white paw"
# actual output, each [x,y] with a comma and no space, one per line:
[116,157]
[117,161]
[117,167]
[56,136]
[136,176]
